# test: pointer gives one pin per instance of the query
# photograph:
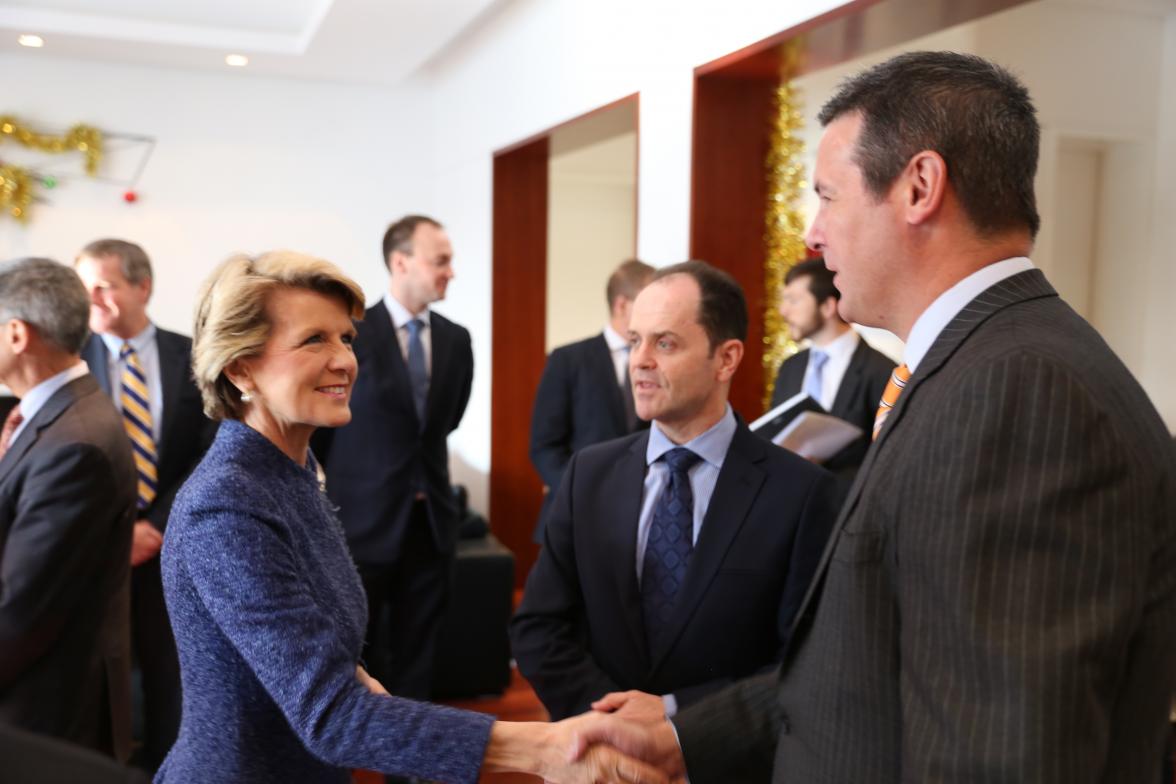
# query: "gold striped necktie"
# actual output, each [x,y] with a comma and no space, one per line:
[894,388]
[136,410]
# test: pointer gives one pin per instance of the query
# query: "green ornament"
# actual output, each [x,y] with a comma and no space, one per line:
[49,182]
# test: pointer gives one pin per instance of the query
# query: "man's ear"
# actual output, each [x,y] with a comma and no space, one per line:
[730,354]
[828,308]
[925,184]
[18,335]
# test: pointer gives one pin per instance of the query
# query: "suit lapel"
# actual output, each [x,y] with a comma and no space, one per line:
[173,368]
[383,351]
[619,539]
[851,383]
[736,489]
[53,408]
[98,360]
[1021,287]
[603,368]
[794,376]
[442,355]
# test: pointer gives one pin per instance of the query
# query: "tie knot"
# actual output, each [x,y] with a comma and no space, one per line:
[818,358]
[414,327]
[680,459]
[14,418]
[126,351]
[902,373]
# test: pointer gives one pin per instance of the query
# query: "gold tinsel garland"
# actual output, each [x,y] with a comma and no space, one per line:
[785,226]
[17,184]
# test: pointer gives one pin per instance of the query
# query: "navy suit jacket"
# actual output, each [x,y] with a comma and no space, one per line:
[578,403]
[184,433]
[579,632]
[67,503]
[269,616]
[376,464]
[856,400]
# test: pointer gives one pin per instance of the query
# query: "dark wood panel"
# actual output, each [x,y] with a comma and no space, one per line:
[519,303]
[732,132]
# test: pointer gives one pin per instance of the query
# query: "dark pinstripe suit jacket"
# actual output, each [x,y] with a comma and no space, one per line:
[998,600]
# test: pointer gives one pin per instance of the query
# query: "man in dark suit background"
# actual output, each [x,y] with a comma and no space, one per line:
[998,599]
[596,620]
[118,277]
[388,471]
[584,396]
[839,369]
[67,502]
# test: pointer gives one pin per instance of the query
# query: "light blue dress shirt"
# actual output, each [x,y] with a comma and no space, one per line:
[712,447]
[35,399]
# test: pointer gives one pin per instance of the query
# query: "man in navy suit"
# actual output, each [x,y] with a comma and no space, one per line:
[661,580]
[118,277]
[584,396]
[388,470]
[839,370]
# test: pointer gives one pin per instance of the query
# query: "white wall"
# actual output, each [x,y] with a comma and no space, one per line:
[537,63]
[1101,78]
[591,228]
[241,164]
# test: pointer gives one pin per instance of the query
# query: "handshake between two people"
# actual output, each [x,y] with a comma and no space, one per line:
[624,739]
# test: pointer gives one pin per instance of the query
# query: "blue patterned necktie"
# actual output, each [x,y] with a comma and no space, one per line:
[670,543]
[418,376]
[812,383]
[136,411]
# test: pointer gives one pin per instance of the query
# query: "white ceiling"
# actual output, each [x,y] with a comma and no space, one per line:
[368,41]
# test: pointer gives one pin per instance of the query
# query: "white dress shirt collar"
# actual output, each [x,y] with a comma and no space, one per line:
[36,398]
[399,313]
[139,342]
[711,445]
[614,339]
[948,305]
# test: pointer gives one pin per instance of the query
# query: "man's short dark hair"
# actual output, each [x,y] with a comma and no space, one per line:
[722,308]
[399,235]
[132,259]
[820,279]
[627,280]
[975,114]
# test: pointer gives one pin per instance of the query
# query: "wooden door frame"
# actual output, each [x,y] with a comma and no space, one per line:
[518,325]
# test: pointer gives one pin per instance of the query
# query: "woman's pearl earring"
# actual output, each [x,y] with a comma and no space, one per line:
[246,397]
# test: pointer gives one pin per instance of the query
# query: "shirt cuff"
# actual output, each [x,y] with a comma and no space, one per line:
[671,705]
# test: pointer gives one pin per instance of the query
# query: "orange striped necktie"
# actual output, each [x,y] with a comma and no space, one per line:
[894,387]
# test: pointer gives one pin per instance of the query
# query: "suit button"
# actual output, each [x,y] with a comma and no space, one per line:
[785,726]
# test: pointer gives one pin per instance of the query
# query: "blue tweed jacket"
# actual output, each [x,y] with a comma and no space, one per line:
[269,616]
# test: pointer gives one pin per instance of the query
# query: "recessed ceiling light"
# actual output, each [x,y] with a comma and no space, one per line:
[237,60]
[34,41]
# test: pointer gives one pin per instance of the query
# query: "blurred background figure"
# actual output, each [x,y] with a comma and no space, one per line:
[585,395]
[147,372]
[838,369]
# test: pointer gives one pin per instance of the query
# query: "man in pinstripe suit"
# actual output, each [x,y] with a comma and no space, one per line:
[998,598]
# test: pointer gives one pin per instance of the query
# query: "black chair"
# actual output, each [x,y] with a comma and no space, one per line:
[27,758]
[473,652]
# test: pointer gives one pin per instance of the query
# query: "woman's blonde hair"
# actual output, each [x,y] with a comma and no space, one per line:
[232,322]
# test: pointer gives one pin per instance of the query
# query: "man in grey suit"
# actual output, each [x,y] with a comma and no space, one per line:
[67,502]
[998,598]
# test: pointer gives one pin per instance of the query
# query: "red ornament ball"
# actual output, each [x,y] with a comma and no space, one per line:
[130,197]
